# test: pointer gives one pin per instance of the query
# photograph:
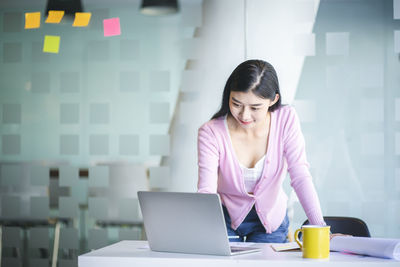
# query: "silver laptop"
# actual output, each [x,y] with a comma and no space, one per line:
[186,223]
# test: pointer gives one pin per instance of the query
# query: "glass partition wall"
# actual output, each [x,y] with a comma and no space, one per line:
[84,129]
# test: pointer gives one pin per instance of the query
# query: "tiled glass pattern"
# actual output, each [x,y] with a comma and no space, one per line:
[69,82]
[12,52]
[129,81]
[129,50]
[159,112]
[337,43]
[129,144]
[69,144]
[69,113]
[99,144]
[40,82]
[159,81]
[352,140]
[11,113]
[69,117]
[12,22]
[11,144]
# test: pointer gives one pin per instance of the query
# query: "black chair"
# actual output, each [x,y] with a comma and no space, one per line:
[346,225]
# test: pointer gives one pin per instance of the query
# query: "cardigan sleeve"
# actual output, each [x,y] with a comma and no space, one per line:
[298,168]
[208,160]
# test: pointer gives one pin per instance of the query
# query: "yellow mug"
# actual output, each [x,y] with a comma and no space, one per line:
[315,241]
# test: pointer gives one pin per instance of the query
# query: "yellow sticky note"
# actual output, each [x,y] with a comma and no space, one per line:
[32,20]
[82,19]
[55,16]
[51,44]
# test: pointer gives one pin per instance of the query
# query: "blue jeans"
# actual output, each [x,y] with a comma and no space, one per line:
[252,230]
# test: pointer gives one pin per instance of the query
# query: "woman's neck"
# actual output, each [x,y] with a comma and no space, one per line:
[260,129]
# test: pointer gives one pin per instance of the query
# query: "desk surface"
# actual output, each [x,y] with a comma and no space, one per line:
[137,253]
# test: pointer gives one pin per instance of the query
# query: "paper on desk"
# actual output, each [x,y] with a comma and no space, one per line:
[376,247]
[285,247]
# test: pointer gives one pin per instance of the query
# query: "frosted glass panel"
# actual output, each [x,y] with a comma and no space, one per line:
[159,177]
[69,113]
[159,145]
[37,54]
[129,144]
[39,175]
[97,238]
[99,113]
[397,41]
[11,237]
[68,207]
[69,82]
[69,175]
[129,81]
[39,237]
[69,238]
[159,81]
[129,50]
[11,144]
[39,207]
[99,176]
[159,112]
[11,113]
[41,82]
[98,144]
[371,76]
[337,43]
[397,109]
[12,22]
[372,110]
[12,52]
[396,9]
[10,206]
[354,139]
[99,50]
[98,208]
[69,144]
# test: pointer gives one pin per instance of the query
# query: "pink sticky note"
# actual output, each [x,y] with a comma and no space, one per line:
[111,27]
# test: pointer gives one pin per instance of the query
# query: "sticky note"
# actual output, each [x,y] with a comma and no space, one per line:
[32,20]
[82,19]
[111,27]
[51,44]
[55,16]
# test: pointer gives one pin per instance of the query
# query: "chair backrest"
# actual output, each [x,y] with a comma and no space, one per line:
[346,225]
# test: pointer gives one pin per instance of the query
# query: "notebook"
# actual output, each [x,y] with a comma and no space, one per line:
[187,223]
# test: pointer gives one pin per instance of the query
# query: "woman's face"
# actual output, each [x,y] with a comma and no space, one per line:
[249,109]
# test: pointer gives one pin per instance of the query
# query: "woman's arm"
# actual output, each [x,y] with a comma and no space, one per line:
[208,160]
[301,180]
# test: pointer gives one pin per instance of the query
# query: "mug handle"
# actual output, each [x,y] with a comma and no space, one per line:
[296,238]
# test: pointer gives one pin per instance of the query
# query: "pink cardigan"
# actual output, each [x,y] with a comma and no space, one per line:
[220,172]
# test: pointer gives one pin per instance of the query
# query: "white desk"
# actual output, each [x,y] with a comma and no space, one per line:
[137,253]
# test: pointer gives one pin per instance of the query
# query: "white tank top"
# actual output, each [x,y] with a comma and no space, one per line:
[252,175]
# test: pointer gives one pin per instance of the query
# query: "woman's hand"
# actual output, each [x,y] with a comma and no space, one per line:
[337,234]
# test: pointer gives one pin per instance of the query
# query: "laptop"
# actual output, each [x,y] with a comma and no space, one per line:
[187,223]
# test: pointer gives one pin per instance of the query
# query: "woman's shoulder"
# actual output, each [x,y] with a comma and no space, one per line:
[216,124]
[285,112]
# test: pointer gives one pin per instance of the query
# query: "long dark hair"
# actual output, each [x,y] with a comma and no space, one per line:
[256,75]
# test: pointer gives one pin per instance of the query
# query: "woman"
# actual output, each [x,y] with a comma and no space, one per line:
[245,151]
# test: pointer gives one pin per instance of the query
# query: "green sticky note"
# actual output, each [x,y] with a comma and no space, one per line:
[51,44]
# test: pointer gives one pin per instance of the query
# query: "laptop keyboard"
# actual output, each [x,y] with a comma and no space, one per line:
[239,249]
